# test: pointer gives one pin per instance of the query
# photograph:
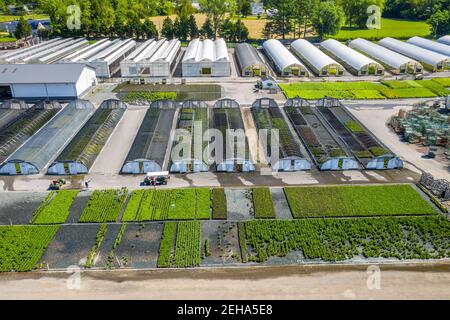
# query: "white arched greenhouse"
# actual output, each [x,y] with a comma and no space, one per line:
[444,40]
[154,58]
[283,60]
[429,59]
[392,60]
[316,60]
[249,61]
[206,58]
[430,45]
[356,62]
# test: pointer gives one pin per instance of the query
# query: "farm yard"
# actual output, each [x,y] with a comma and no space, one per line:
[392,89]
[165,228]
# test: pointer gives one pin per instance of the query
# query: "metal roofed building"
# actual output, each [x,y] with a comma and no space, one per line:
[284,61]
[444,40]
[19,55]
[249,62]
[430,45]
[392,60]
[206,58]
[358,63]
[33,81]
[154,58]
[315,59]
[88,51]
[107,62]
[429,59]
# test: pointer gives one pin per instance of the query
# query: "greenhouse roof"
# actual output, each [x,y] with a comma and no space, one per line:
[247,55]
[346,54]
[415,52]
[280,55]
[430,45]
[312,54]
[206,50]
[389,57]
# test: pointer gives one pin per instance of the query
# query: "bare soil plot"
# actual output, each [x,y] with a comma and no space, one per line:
[18,207]
[280,203]
[70,247]
[107,246]
[240,204]
[140,245]
[223,243]
[78,206]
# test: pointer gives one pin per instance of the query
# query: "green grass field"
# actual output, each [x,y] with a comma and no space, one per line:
[401,29]
[6,18]
[394,89]
[352,201]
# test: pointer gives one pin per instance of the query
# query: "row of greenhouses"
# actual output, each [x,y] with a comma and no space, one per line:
[189,137]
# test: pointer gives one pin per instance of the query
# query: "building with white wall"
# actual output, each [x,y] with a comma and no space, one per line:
[44,81]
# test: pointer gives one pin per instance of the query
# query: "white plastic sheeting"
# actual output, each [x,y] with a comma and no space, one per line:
[107,62]
[433,60]
[316,59]
[18,56]
[444,40]
[430,45]
[391,59]
[206,58]
[360,64]
[286,63]
[153,58]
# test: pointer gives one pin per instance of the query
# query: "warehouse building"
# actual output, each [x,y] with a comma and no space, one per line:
[356,62]
[429,59]
[37,81]
[154,58]
[249,61]
[444,40]
[283,60]
[316,60]
[17,56]
[430,45]
[206,58]
[391,60]
[104,56]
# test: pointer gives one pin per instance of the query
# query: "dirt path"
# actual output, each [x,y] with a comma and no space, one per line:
[113,155]
[427,281]
[256,152]
[367,115]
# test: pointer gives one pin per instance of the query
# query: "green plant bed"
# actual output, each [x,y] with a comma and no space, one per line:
[262,203]
[104,206]
[342,239]
[219,203]
[55,208]
[135,97]
[188,244]
[166,245]
[351,201]
[21,247]
[354,126]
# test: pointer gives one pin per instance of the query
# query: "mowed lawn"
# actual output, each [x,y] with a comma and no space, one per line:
[6,18]
[389,28]
[351,201]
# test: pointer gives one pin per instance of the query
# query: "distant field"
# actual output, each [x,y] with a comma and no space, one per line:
[255,26]
[6,18]
[389,28]
[394,89]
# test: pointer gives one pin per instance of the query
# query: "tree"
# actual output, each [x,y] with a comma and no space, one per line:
[149,29]
[303,10]
[268,30]
[440,23]
[244,7]
[177,28]
[167,28]
[193,28]
[216,11]
[355,11]
[282,17]
[207,29]
[23,29]
[183,8]
[327,19]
